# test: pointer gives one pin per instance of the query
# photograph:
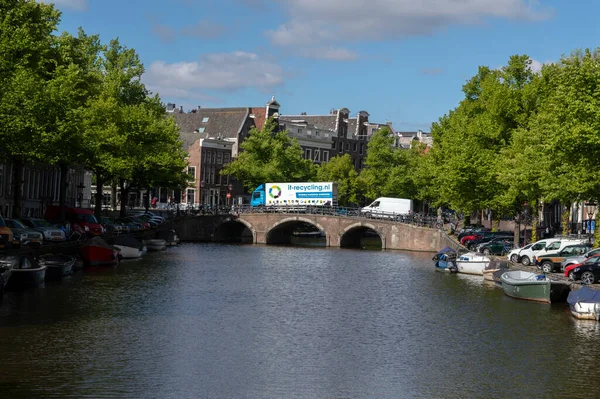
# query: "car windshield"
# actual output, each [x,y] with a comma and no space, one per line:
[41,223]
[87,218]
[15,224]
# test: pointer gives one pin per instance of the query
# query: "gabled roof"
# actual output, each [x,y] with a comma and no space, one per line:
[260,115]
[213,122]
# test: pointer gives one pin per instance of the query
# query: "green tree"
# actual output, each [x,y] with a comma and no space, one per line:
[340,169]
[269,155]
[26,64]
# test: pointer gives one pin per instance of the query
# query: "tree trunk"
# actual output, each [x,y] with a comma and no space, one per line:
[18,188]
[62,192]
[113,195]
[124,197]
[517,230]
[99,195]
[147,202]
[565,217]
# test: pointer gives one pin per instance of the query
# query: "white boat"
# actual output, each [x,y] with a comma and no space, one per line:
[155,244]
[472,263]
[584,303]
[170,236]
[130,247]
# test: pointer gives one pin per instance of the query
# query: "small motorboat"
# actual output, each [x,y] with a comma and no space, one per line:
[584,303]
[170,237]
[155,244]
[526,285]
[472,263]
[98,252]
[130,247]
[26,272]
[445,260]
[6,265]
[494,266]
[57,266]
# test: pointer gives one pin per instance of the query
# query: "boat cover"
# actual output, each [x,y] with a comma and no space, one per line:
[584,294]
[99,242]
[126,241]
[444,250]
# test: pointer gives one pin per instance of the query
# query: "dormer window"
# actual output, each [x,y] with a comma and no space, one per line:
[201,129]
[205,119]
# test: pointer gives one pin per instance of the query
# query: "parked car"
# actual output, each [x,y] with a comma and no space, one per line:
[551,261]
[133,227]
[543,247]
[578,259]
[6,235]
[81,219]
[24,235]
[514,254]
[492,238]
[112,226]
[569,269]
[130,219]
[50,232]
[588,272]
[497,246]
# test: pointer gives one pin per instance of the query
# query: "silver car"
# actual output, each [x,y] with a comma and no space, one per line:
[572,260]
[24,234]
[51,233]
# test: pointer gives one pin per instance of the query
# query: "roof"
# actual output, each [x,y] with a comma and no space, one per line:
[260,115]
[188,139]
[325,122]
[213,122]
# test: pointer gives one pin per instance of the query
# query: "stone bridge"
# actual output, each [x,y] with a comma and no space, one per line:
[277,228]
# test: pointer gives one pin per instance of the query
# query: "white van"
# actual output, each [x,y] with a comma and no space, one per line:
[542,247]
[386,207]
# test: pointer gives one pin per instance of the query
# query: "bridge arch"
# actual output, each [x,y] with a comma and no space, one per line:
[234,230]
[281,232]
[352,235]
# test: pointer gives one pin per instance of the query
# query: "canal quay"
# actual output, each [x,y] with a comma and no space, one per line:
[227,320]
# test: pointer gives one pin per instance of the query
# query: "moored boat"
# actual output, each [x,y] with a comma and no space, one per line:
[472,263]
[98,252]
[6,265]
[155,244]
[26,272]
[494,266]
[130,247]
[584,303]
[57,266]
[526,285]
[445,260]
[170,237]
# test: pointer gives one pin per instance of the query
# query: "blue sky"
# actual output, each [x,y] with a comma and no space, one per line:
[403,61]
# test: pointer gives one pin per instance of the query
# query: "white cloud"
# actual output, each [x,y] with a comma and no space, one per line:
[319,22]
[79,5]
[213,72]
[535,66]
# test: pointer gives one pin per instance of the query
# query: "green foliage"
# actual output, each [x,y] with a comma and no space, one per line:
[269,155]
[387,170]
[340,169]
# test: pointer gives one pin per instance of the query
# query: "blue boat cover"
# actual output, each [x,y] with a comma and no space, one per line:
[584,294]
[445,250]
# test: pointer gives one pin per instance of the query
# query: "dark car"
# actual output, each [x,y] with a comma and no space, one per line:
[497,246]
[588,272]
[477,244]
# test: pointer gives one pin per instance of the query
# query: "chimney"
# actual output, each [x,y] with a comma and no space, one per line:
[181,108]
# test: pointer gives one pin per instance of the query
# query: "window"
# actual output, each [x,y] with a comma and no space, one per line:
[191,196]
[554,245]
[299,130]
[347,146]
[192,172]
[203,156]
[205,119]
[214,157]
[317,155]
[333,145]
[308,153]
[354,147]
[226,158]
[362,148]
[201,129]
[219,157]
[325,156]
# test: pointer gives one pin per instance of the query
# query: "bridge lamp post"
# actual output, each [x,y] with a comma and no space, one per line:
[230,189]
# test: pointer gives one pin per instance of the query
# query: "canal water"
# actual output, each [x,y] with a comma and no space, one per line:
[226,321]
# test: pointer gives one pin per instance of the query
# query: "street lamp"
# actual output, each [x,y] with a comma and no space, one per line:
[230,188]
